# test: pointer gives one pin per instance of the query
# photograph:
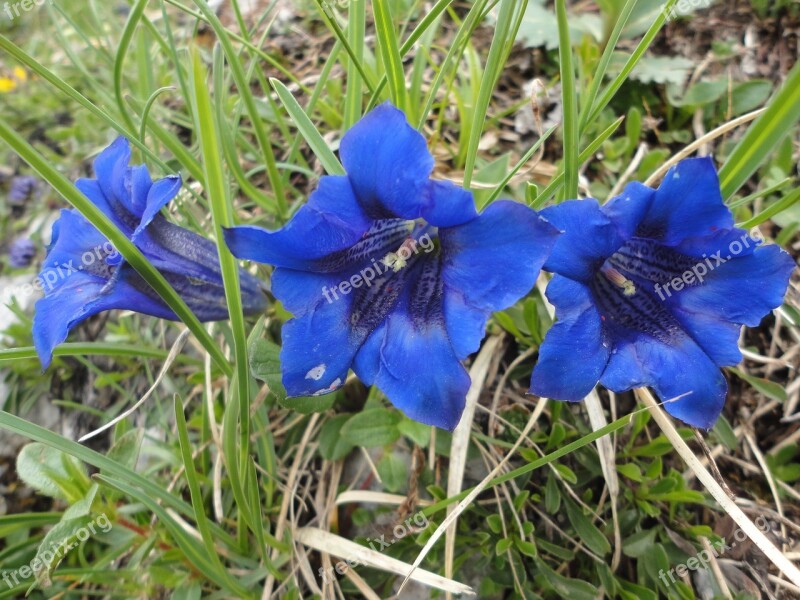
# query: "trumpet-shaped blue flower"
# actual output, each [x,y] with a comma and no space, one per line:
[652,289]
[83,273]
[394,274]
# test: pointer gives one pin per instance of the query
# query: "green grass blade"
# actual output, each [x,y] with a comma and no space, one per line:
[763,136]
[521,163]
[191,549]
[246,94]
[36,433]
[593,147]
[86,349]
[632,61]
[196,495]
[569,103]
[390,53]
[356,25]
[505,33]
[588,99]
[122,51]
[318,145]
[428,20]
[778,207]
[222,215]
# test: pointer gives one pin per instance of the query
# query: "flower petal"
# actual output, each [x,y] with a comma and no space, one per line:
[111,169]
[687,204]
[331,221]
[388,164]
[72,236]
[57,313]
[157,197]
[742,290]
[302,291]
[417,370]
[448,205]
[629,208]
[78,296]
[672,370]
[719,339]
[318,349]
[466,325]
[495,259]
[575,351]
[589,237]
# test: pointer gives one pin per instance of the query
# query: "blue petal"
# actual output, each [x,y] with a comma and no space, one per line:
[742,290]
[318,349]
[589,237]
[575,351]
[719,339]
[388,164]
[629,208]
[111,170]
[301,291]
[139,184]
[123,219]
[332,220]
[417,370]
[57,313]
[495,259]
[447,205]
[78,296]
[466,325]
[157,197]
[72,236]
[672,370]
[687,204]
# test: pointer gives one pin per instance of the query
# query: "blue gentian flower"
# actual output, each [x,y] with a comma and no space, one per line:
[652,289]
[21,189]
[21,253]
[83,274]
[393,274]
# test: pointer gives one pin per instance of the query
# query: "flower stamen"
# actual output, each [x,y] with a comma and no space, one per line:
[619,280]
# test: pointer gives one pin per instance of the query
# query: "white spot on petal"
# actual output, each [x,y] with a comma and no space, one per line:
[336,383]
[316,373]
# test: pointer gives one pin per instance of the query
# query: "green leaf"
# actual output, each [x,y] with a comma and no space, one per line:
[749,95]
[47,470]
[390,52]
[125,450]
[586,530]
[374,427]
[419,433]
[503,545]
[393,471]
[700,94]
[631,471]
[62,537]
[638,543]
[662,69]
[332,446]
[769,388]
